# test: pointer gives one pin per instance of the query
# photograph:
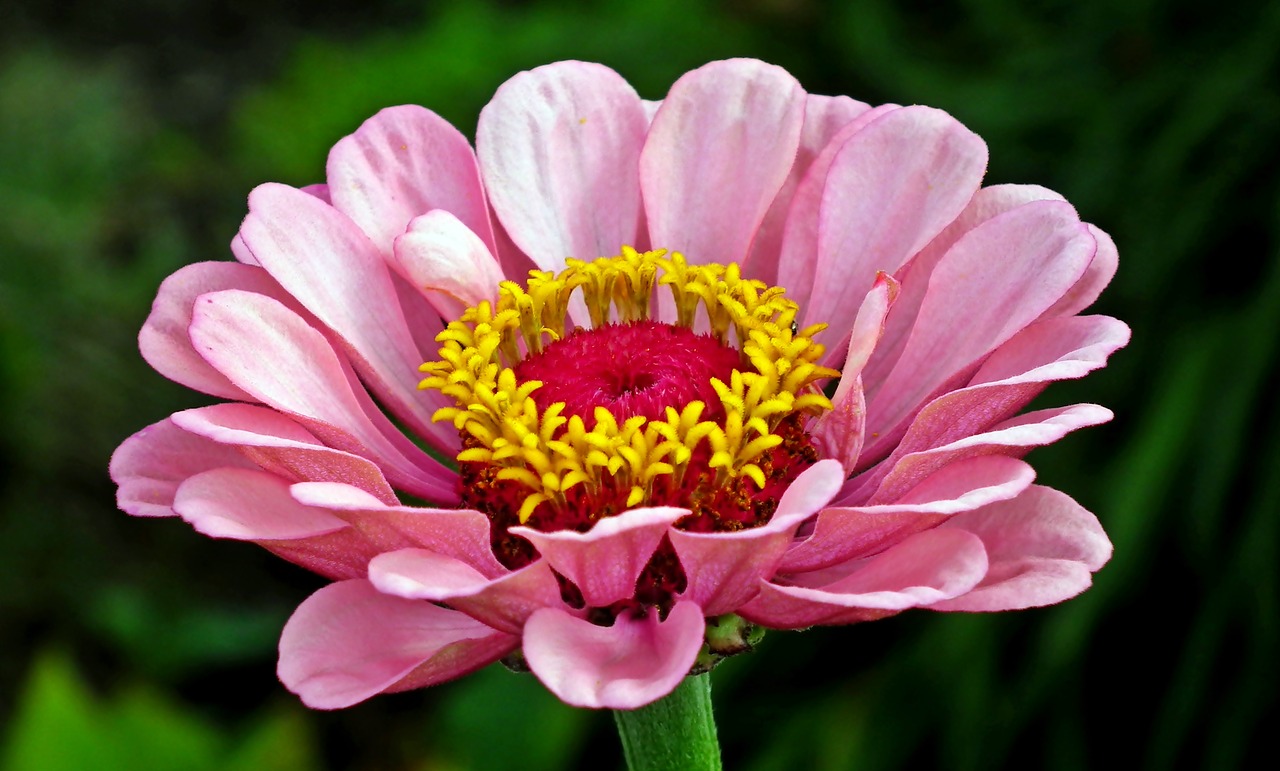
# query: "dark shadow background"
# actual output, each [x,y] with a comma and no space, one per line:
[130,134]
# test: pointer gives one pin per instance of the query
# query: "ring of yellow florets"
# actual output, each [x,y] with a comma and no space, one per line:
[551,454]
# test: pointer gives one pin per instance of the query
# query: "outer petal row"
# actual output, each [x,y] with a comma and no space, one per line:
[349,641]
[1037,548]
[630,663]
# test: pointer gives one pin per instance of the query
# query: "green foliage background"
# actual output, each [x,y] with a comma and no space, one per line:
[131,132]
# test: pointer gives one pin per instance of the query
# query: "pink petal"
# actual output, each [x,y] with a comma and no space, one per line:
[1032,582]
[403,162]
[890,190]
[504,603]
[824,117]
[1013,437]
[425,323]
[719,150]
[442,258]
[798,258]
[348,642]
[839,433]
[248,505]
[283,447]
[813,489]
[240,250]
[605,561]
[851,532]
[924,569]
[318,190]
[723,570]
[868,326]
[255,506]
[1063,348]
[628,665]
[559,147]
[164,341]
[149,466]
[281,361]
[1050,349]
[322,258]
[462,534]
[997,279]
[513,261]
[1042,546]
[1095,278]
[914,276]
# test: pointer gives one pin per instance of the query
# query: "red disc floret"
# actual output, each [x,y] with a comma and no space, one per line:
[639,368]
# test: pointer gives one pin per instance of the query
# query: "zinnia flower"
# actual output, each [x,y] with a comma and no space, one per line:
[548,400]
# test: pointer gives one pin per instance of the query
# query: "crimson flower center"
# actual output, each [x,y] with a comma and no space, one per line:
[638,368]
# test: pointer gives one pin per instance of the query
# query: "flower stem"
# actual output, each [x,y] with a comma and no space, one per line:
[675,733]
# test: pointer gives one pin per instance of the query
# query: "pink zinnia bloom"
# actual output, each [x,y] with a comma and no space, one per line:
[646,441]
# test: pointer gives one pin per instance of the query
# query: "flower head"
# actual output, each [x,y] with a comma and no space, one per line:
[625,370]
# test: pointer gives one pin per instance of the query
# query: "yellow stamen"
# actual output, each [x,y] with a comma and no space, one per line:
[549,453]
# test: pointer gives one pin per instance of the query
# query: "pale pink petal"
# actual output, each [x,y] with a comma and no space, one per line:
[1062,348]
[283,447]
[149,466]
[824,117]
[850,532]
[280,360]
[723,570]
[914,276]
[997,279]
[164,341]
[513,261]
[923,569]
[813,489]
[1095,279]
[348,641]
[255,506]
[240,250]
[605,561]
[403,162]
[868,325]
[890,190]
[799,249]
[719,150]
[248,505]
[504,603]
[324,260]
[318,190]
[1031,582]
[462,534]
[840,433]
[1016,436]
[1042,546]
[425,323]
[628,665]
[559,147]
[1056,348]
[443,259]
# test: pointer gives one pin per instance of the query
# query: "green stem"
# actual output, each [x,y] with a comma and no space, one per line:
[675,733]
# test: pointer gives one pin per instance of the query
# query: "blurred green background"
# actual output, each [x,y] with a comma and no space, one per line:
[130,134]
